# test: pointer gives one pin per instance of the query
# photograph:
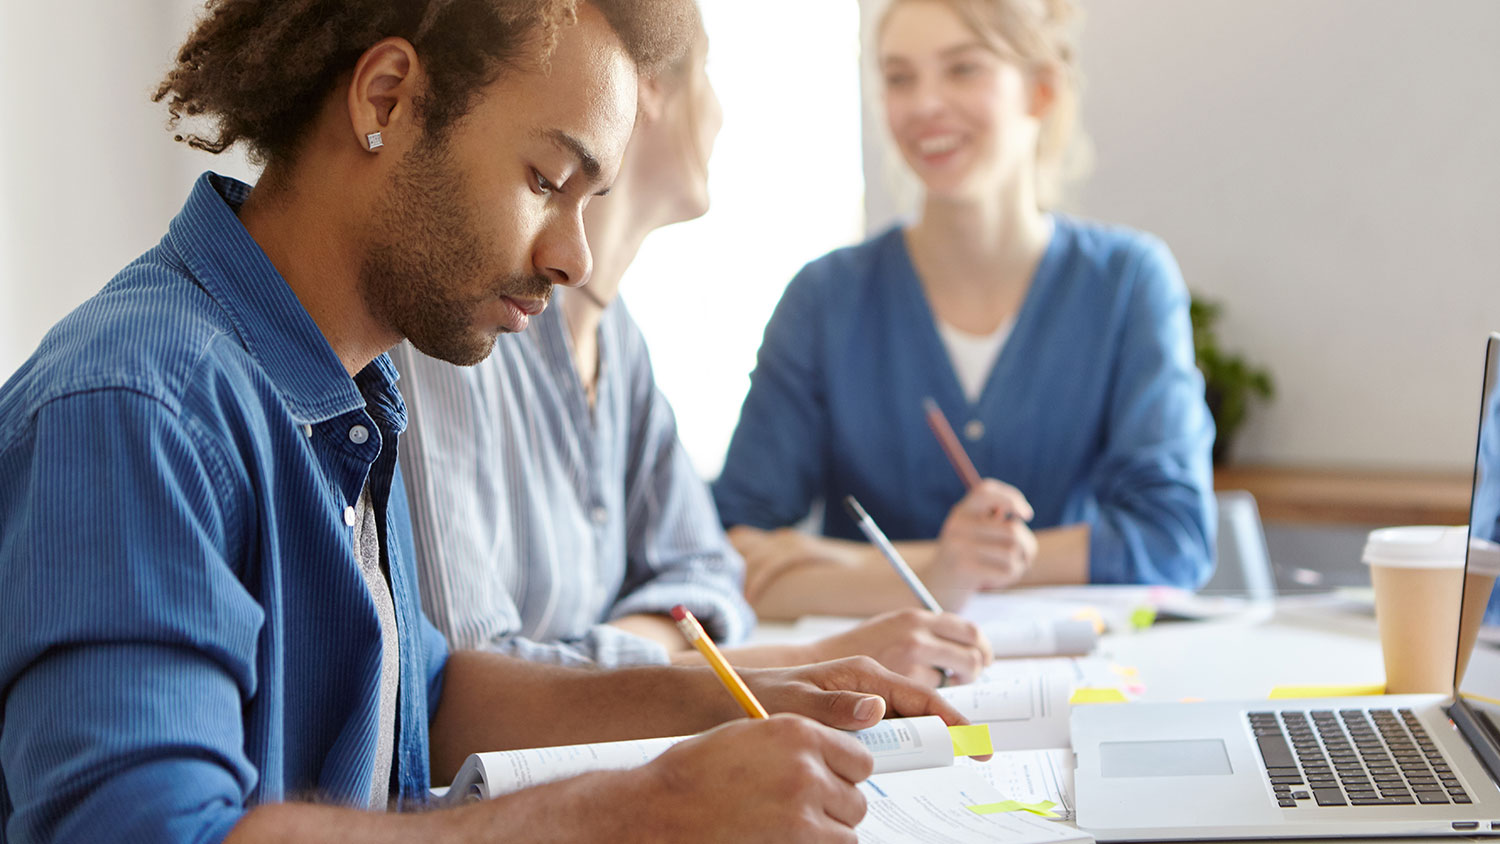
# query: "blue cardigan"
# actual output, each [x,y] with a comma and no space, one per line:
[1094,408]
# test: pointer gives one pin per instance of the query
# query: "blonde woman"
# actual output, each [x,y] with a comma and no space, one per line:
[1060,348]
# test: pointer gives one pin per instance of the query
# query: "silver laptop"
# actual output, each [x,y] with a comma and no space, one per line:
[1353,767]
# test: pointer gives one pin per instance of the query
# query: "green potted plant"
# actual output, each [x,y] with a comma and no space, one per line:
[1230,383]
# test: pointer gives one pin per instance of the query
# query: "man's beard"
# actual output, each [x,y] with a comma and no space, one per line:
[424,256]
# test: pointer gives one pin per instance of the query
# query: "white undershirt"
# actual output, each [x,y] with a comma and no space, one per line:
[973,355]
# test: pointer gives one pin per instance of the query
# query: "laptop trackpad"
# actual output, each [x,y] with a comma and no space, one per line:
[1197,757]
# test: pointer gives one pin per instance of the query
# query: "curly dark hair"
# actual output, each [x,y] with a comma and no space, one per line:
[258,71]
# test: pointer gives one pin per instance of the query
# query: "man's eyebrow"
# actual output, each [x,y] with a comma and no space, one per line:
[587,161]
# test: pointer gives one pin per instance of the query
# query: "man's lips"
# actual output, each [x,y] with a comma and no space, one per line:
[529,307]
[518,312]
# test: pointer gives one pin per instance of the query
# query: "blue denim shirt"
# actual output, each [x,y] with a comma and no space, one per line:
[1094,409]
[184,630]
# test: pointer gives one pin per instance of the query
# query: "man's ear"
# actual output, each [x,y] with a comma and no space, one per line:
[386,82]
[651,99]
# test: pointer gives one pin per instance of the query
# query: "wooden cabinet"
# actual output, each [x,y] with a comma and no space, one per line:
[1314,496]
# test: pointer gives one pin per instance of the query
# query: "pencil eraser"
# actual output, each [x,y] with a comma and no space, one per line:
[679,613]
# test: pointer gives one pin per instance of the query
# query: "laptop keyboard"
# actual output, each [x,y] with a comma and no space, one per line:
[1353,757]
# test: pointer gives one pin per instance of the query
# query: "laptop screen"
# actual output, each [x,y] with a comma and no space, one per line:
[1477,674]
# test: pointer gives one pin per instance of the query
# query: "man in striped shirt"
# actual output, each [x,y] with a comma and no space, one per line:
[557,516]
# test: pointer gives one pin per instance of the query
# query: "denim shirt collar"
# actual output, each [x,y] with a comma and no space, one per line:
[269,319]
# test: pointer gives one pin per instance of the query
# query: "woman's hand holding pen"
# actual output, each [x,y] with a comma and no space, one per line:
[984,544]
[915,644]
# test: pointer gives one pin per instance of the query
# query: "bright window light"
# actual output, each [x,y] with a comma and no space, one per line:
[787,186]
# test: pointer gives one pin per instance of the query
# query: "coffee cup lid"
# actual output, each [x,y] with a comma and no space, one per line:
[1417,546]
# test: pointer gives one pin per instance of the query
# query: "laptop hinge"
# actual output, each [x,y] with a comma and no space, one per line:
[1481,734]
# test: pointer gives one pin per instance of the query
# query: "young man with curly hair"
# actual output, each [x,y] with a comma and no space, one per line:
[209,626]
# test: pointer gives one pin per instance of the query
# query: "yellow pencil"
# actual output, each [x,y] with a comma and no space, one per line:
[698,638]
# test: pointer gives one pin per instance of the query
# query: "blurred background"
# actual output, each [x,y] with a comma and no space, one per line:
[1327,173]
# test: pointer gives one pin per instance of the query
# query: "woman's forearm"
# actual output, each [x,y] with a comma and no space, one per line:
[839,577]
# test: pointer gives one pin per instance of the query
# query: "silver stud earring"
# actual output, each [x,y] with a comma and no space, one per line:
[373,141]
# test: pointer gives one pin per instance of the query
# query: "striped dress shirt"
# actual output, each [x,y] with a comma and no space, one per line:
[538,520]
[185,631]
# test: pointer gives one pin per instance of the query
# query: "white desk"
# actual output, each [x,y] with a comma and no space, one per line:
[1245,659]
[1300,645]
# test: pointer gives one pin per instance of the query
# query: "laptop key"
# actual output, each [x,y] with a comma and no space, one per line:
[1273,749]
[1432,797]
[1287,803]
[1301,795]
[1329,797]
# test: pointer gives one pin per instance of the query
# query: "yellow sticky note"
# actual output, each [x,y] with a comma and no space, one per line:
[1043,808]
[1325,691]
[1093,616]
[1142,617]
[1127,671]
[1093,695]
[971,740]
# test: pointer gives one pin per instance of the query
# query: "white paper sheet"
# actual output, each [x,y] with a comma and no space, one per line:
[931,807]
[1025,703]
[1030,776]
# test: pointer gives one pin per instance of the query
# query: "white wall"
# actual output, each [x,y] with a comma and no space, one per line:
[1330,170]
[89,176]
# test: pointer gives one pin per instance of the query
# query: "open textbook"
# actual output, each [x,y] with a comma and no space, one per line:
[915,795]
[952,805]
[922,780]
[1025,705]
[898,744]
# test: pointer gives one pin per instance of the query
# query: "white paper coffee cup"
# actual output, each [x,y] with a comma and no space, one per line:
[1418,575]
